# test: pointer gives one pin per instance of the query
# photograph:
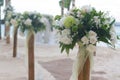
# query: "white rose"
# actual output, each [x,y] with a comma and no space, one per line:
[92,33]
[91,48]
[66,32]
[66,40]
[96,20]
[14,22]
[85,40]
[86,8]
[28,22]
[93,40]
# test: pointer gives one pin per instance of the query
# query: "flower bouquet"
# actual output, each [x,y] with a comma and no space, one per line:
[8,11]
[84,26]
[31,21]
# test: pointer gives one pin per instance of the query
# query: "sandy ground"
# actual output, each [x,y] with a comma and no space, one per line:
[52,65]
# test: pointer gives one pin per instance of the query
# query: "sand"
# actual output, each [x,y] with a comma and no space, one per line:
[52,65]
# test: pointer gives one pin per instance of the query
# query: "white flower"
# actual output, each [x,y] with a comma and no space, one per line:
[64,36]
[66,32]
[85,40]
[106,22]
[113,36]
[28,22]
[86,8]
[57,23]
[113,39]
[79,14]
[93,40]
[61,22]
[92,33]
[96,20]
[66,40]
[91,48]
[14,22]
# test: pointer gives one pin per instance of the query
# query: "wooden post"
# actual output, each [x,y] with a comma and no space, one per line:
[85,73]
[6,3]
[8,34]
[15,42]
[31,58]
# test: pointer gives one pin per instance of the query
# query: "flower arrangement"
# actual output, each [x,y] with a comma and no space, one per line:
[31,21]
[8,14]
[16,19]
[85,25]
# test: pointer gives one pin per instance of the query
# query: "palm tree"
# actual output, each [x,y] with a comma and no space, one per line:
[62,7]
[64,4]
[73,3]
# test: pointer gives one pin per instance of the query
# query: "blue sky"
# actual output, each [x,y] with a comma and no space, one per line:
[52,6]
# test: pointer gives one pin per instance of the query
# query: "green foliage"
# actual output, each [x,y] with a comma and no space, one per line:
[32,20]
[8,11]
[86,19]
[66,3]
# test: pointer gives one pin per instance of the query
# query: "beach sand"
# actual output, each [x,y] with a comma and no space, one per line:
[56,66]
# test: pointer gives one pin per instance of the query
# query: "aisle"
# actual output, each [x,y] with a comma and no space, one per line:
[52,65]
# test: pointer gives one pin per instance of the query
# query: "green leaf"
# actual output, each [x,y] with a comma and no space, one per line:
[66,3]
[74,28]
[112,22]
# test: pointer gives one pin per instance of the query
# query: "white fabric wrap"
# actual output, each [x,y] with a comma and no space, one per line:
[81,58]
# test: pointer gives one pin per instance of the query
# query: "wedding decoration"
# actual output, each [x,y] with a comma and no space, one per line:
[85,27]
[30,24]
[15,21]
[32,20]
[8,14]
[8,11]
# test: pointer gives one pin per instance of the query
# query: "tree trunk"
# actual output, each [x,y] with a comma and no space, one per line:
[85,73]
[62,8]
[31,58]
[15,42]
[73,3]
[7,34]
